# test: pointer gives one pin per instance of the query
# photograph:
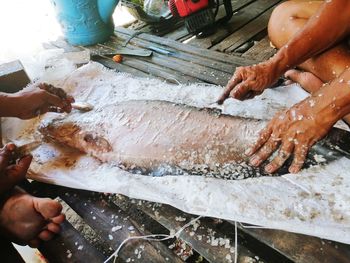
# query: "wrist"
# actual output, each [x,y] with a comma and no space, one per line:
[327,110]
[280,62]
[335,96]
[8,105]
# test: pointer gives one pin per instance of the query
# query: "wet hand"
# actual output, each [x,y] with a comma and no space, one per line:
[35,101]
[292,132]
[250,81]
[12,169]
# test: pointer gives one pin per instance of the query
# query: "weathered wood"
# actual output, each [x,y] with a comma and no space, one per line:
[197,71]
[137,25]
[301,248]
[209,54]
[144,65]
[155,70]
[185,56]
[243,17]
[244,34]
[70,246]
[178,34]
[203,236]
[109,63]
[106,219]
[261,51]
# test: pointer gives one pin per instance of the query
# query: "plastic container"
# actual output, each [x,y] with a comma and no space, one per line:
[85,22]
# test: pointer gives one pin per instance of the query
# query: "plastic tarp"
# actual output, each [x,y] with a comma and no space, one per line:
[314,202]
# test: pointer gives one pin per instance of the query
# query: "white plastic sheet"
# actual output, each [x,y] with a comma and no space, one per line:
[314,202]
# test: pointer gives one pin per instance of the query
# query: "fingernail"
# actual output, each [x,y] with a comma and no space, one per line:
[26,157]
[248,152]
[269,168]
[293,170]
[254,161]
[10,147]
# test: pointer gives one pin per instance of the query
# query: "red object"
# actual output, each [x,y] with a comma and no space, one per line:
[186,7]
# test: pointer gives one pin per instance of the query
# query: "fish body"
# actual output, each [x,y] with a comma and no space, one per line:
[150,134]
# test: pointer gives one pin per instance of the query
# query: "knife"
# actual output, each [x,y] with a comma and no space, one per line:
[27,148]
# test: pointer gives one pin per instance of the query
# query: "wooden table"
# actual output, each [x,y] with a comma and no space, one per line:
[98,223]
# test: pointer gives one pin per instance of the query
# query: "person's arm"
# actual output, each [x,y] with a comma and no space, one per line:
[327,27]
[5,104]
[296,130]
[31,102]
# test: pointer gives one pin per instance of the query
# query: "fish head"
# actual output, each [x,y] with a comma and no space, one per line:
[73,135]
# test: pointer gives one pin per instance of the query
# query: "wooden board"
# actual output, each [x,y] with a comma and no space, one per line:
[246,33]
[261,51]
[207,236]
[70,246]
[240,19]
[301,248]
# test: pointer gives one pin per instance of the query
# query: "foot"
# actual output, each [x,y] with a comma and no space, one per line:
[26,219]
[306,80]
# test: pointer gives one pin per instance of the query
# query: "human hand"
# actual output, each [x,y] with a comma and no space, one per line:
[12,171]
[294,131]
[34,101]
[249,81]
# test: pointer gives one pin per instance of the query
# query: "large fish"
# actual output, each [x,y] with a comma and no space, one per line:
[155,136]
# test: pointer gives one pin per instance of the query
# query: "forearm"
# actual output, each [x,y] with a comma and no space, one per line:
[332,101]
[327,27]
[7,105]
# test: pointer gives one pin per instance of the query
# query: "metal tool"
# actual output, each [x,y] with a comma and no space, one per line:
[123,51]
[27,148]
[160,50]
[133,52]
[82,106]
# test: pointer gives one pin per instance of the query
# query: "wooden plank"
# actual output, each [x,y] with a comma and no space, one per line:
[202,61]
[261,51]
[144,65]
[155,70]
[141,68]
[203,236]
[137,25]
[247,14]
[202,73]
[109,63]
[178,34]
[188,68]
[301,248]
[245,34]
[209,54]
[70,246]
[106,219]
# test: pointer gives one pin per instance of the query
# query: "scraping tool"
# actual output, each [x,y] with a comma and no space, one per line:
[27,148]
[82,106]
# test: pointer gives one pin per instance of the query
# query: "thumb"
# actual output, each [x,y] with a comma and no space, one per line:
[17,172]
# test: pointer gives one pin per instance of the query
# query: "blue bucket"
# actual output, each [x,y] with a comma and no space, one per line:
[85,22]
